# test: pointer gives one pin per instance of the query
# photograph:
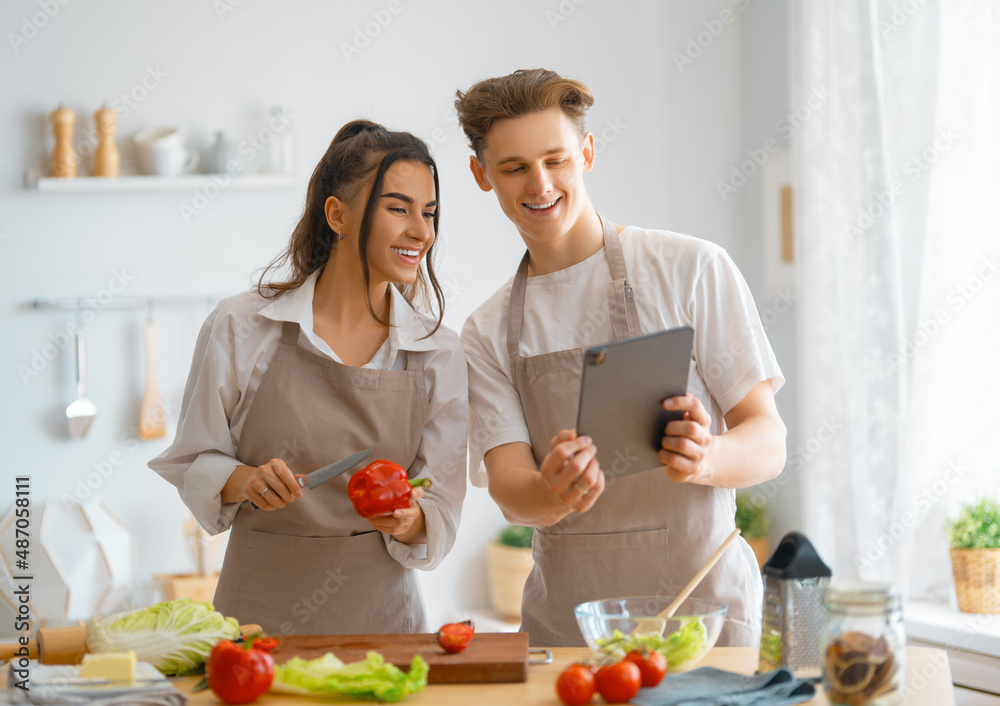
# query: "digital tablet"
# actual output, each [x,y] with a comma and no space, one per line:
[624,385]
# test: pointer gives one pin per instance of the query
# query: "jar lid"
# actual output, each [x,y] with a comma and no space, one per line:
[863,594]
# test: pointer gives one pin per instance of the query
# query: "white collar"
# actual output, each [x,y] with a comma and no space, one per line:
[406,329]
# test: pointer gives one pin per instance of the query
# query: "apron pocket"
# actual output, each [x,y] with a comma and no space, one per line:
[326,585]
[575,568]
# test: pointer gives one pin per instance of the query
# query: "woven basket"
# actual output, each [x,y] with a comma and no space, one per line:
[508,569]
[977,579]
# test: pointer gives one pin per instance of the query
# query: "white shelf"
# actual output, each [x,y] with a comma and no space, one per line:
[89,184]
[944,625]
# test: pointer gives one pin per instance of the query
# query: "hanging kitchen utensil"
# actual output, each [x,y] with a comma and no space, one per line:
[152,422]
[81,412]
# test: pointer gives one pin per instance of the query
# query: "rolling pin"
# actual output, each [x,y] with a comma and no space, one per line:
[68,645]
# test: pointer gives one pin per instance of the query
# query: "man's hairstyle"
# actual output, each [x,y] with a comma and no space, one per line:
[521,93]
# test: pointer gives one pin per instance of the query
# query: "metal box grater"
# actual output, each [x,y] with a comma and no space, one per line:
[795,581]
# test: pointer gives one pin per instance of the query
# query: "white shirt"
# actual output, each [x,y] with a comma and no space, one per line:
[237,343]
[678,281]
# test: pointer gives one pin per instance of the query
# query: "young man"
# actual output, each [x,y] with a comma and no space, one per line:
[582,282]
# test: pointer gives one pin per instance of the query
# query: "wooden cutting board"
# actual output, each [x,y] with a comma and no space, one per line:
[492,656]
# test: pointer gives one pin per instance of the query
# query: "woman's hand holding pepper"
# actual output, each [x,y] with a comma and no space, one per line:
[687,442]
[571,471]
[407,524]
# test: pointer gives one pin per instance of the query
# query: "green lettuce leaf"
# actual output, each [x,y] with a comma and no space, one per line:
[371,677]
[687,644]
[174,636]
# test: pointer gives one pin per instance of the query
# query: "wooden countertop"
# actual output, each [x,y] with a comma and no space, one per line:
[927,673]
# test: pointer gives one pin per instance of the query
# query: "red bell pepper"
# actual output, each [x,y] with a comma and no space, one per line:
[380,488]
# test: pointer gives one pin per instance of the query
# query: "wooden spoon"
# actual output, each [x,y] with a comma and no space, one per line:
[669,611]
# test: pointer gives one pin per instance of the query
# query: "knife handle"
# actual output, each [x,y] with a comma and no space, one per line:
[302,484]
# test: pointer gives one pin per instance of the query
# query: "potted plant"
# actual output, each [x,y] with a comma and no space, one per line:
[754,520]
[974,536]
[508,563]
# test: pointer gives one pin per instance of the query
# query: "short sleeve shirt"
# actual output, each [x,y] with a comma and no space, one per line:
[678,280]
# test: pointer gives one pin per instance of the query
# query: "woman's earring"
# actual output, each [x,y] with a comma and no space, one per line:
[340,235]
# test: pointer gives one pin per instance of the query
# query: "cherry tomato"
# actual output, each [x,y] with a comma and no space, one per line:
[575,685]
[652,666]
[455,637]
[238,674]
[267,644]
[618,683]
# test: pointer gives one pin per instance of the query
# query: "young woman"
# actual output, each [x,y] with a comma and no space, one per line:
[297,374]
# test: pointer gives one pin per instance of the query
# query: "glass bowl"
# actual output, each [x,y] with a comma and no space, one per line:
[608,626]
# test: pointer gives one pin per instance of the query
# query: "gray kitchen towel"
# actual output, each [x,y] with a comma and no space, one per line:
[709,686]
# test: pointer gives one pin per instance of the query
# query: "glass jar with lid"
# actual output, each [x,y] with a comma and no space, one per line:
[864,645]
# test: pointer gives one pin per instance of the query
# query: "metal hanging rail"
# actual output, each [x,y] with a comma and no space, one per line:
[70,304]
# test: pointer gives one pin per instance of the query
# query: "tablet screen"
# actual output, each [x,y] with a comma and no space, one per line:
[624,385]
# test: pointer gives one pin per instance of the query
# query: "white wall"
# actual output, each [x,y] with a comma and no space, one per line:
[677,132]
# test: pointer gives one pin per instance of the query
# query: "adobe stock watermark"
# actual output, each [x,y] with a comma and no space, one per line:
[31,26]
[124,104]
[956,298]
[366,33]
[697,44]
[797,459]
[913,169]
[59,341]
[968,626]
[920,504]
[88,484]
[440,135]
[247,149]
[737,348]
[900,15]
[225,7]
[608,133]
[310,604]
[562,12]
[757,157]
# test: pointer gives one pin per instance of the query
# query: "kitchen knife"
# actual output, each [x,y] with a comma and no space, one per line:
[322,475]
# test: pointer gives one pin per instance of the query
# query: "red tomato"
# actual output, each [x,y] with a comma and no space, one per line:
[652,666]
[575,685]
[618,683]
[238,674]
[267,644]
[455,637]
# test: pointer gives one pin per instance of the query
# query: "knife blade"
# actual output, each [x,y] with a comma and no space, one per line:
[322,475]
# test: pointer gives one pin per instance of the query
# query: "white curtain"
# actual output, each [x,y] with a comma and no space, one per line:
[896,163]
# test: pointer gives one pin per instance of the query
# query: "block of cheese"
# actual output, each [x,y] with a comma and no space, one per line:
[113,666]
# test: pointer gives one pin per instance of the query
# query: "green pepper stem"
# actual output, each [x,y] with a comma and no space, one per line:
[415,482]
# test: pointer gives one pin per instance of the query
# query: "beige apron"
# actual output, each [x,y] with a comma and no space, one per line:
[315,566]
[645,535]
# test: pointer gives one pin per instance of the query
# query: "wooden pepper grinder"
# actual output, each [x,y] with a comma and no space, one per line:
[64,159]
[107,160]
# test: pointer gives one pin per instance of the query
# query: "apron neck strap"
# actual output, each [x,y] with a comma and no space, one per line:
[515,310]
[290,333]
[414,360]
